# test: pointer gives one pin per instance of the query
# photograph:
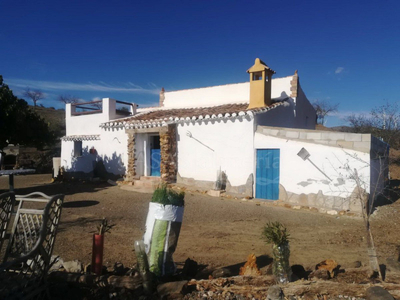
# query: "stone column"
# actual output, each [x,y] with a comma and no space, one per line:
[168,145]
[130,172]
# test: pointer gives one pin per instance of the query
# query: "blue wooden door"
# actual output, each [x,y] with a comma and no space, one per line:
[155,160]
[267,174]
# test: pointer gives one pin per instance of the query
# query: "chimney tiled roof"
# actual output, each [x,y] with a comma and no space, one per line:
[162,117]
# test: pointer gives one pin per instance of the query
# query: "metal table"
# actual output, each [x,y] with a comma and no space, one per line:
[11,174]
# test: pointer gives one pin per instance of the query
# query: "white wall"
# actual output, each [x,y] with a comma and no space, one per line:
[232,142]
[111,149]
[305,112]
[222,94]
[298,176]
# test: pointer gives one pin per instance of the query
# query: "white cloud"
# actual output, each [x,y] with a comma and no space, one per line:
[339,70]
[87,87]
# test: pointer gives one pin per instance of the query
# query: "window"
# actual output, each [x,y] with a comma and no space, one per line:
[77,148]
[257,76]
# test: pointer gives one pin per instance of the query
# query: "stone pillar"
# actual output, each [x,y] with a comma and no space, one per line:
[130,172]
[168,145]
[294,85]
[162,97]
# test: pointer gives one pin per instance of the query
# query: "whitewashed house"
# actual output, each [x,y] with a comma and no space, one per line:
[252,132]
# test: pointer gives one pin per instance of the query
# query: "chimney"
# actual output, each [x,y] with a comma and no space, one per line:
[260,84]
[162,97]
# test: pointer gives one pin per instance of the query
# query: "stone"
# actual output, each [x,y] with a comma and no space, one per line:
[330,265]
[57,263]
[73,266]
[214,193]
[171,288]
[267,270]
[250,267]
[377,293]
[119,269]
[275,293]
[296,207]
[332,212]
[222,272]
[355,264]
[320,274]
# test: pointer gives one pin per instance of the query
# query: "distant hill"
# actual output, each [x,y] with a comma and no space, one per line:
[54,117]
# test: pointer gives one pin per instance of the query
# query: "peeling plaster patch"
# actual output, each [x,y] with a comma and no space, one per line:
[312,180]
[325,181]
[303,183]
[340,181]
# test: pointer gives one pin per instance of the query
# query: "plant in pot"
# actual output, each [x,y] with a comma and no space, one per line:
[98,246]
[163,225]
[276,234]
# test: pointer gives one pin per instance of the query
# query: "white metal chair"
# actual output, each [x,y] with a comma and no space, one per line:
[27,258]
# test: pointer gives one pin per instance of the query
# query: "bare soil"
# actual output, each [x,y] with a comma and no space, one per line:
[216,232]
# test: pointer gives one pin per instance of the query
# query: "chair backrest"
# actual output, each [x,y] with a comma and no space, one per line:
[7,202]
[34,228]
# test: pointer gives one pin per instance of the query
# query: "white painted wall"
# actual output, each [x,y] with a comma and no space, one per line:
[298,176]
[232,142]
[89,124]
[111,148]
[222,94]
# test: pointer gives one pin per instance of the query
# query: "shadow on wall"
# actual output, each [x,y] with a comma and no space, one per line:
[91,165]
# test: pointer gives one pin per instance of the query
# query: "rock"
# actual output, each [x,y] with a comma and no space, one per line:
[190,268]
[73,266]
[222,272]
[330,265]
[267,270]
[275,293]
[320,274]
[57,263]
[119,269]
[171,288]
[378,293]
[393,264]
[250,267]
[355,264]
[332,212]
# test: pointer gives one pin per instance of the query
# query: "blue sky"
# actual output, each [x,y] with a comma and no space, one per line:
[346,52]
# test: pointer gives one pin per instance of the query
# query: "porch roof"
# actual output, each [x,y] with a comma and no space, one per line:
[90,137]
[161,117]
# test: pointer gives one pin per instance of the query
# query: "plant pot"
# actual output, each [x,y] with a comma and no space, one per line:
[280,265]
[97,253]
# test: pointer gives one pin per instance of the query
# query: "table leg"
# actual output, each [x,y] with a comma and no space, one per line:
[11,182]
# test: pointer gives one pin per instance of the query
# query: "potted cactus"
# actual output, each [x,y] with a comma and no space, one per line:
[276,234]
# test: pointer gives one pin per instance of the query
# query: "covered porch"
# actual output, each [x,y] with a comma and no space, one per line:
[152,152]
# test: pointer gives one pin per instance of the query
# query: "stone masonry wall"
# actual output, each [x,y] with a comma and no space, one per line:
[353,141]
[168,145]
[130,172]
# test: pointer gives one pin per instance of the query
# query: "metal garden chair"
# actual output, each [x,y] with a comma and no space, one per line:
[27,258]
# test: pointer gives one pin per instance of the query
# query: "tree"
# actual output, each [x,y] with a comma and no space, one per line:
[323,109]
[34,95]
[68,99]
[19,124]
[383,122]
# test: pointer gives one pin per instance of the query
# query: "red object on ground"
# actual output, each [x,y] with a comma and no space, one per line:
[97,253]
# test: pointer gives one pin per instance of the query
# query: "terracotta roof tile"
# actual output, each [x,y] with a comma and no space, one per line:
[161,117]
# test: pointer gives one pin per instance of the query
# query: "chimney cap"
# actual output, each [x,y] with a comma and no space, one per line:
[258,66]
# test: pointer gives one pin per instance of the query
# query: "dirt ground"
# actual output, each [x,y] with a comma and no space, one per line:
[216,232]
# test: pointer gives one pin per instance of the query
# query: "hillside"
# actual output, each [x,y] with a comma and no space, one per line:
[54,117]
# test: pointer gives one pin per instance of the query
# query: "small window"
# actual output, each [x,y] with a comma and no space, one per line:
[77,148]
[257,76]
